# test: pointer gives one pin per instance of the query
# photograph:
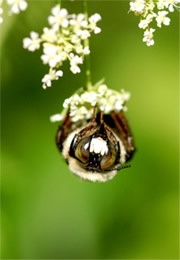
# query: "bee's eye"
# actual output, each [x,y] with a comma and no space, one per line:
[109,159]
[82,150]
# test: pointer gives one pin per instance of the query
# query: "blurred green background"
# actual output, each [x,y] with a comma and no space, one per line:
[46,211]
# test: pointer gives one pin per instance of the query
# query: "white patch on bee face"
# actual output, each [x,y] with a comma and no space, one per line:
[99,146]
[80,171]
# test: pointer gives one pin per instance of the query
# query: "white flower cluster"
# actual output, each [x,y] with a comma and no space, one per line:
[16,6]
[80,105]
[152,11]
[62,41]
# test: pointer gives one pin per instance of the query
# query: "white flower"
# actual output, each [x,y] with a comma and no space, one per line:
[137,6]
[102,90]
[17,5]
[76,100]
[79,114]
[118,105]
[75,69]
[86,50]
[161,4]
[162,19]
[56,118]
[52,55]
[75,60]
[148,37]
[81,21]
[78,22]
[32,43]
[89,97]
[93,19]
[145,22]
[49,35]
[150,6]
[125,96]
[83,34]
[58,17]
[52,75]
[67,101]
[171,4]
[75,39]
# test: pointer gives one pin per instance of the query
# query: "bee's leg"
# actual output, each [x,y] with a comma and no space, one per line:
[101,118]
[124,132]
[94,115]
[63,132]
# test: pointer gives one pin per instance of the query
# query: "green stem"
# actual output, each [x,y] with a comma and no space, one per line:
[59,2]
[87,57]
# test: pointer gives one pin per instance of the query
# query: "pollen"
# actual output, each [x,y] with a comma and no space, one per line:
[98,146]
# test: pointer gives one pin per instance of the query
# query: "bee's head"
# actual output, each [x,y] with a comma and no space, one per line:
[96,149]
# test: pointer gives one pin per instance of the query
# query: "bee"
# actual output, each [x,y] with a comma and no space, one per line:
[96,149]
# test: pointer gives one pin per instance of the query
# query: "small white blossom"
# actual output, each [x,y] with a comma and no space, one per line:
[102,90]
[148,36]
[89,97]
[83,34]
[32,43]
[58,17]
[67,102]
[49,35]
[17,5]
[52,75]
[56,118]
[86,50]
[51,55]
[137,6]
[79,114]
[162,19]
[144,23]
[93,19]
[75,61]
[171,4]
[78,22]
[161,4]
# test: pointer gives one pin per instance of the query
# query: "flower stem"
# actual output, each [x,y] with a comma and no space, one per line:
[59,2]
[87,57]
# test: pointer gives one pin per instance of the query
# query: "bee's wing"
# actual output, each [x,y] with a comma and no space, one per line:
[124,133]
[63,131]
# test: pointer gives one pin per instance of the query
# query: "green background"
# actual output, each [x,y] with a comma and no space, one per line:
[46,211]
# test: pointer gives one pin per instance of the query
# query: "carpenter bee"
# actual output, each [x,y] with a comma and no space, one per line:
[96,149]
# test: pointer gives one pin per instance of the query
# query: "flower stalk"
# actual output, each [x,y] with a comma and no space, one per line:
[87,57]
